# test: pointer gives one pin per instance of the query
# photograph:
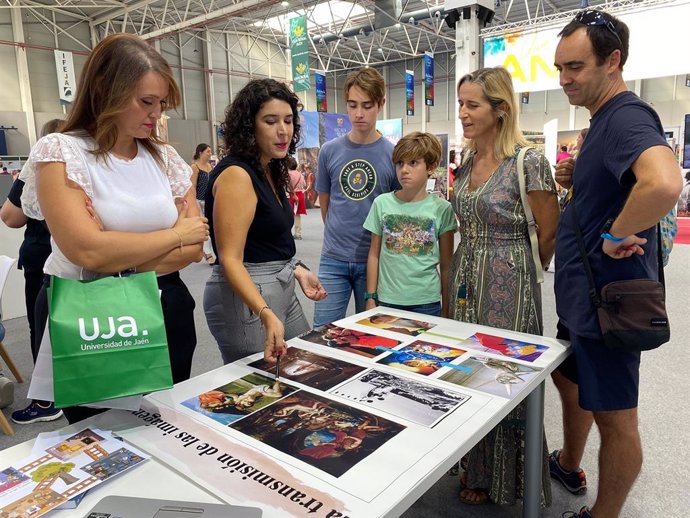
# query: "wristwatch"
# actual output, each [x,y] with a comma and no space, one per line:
[374,296]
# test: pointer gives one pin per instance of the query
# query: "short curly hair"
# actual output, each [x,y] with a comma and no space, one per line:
[239,126]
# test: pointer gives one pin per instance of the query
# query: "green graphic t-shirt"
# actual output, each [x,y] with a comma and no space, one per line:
[408,263]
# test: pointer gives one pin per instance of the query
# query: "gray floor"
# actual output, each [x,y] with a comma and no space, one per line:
[662,489]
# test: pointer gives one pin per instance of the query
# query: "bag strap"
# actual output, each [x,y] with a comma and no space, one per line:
[531,224]
[593,294]
[660,256]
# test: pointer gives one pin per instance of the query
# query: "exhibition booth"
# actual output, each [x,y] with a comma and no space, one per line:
[360,418]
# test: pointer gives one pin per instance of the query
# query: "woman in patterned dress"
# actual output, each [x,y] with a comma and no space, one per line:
[493,275]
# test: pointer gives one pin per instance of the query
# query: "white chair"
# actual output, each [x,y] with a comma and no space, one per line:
[6,264]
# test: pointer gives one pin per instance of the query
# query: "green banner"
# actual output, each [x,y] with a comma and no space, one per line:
[299,50]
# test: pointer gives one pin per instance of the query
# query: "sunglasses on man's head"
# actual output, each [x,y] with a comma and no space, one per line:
[597,18]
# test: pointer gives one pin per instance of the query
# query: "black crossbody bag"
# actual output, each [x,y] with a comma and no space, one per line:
[632,313]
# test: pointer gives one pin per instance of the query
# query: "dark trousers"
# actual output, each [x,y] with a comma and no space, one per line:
[32,285]
[178,314]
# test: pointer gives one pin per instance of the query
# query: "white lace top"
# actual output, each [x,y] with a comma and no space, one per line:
[135,195]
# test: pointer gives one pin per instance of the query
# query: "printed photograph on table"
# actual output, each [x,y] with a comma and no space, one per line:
[10,477]
[75,444]
[113,464]
[505,346]
[41,482]
[421,357]
[330,436]
[350,340]
[234,400]
[406,326]
[420,403]
[491,375]
[311,369]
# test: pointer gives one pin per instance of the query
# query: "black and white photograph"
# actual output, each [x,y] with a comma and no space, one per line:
[418,402]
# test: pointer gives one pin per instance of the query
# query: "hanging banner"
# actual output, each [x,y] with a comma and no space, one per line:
[299,50]
[409,91]
[321,99]
[65,76]
[428,79]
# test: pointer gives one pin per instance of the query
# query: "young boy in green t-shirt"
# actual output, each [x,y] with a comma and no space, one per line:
[411,235]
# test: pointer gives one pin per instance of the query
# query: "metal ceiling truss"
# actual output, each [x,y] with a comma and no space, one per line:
[545,20]
[336,44]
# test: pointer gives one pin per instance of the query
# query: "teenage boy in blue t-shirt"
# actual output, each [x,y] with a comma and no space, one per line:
[353,170]
[411,235]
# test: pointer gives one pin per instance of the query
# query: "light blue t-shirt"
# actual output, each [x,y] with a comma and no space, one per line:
[353,175]
[409,257]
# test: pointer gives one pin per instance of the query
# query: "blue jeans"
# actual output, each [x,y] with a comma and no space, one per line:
[339,279]
[431,308]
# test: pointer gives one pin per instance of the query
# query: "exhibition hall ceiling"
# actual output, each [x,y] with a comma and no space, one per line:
[344,34]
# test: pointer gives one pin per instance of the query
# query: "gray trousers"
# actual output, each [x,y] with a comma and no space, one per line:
[238,331]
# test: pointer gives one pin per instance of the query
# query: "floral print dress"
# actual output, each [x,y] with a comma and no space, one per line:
[493,282]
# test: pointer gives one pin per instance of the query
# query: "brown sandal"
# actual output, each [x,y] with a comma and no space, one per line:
[474,496]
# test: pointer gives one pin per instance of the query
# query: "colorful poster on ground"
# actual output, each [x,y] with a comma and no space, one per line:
[421,357]
[350,340]
[406,326]
[321,95]
[232,401]
[310,369]
[505,346]
[299,52]
[330,436]
[404,398]
[62,470]
[409,92]
[428,79]
[498,377]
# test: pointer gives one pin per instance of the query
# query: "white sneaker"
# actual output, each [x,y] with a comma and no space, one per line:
[6,391]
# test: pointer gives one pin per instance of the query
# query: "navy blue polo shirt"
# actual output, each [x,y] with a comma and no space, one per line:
[619,133]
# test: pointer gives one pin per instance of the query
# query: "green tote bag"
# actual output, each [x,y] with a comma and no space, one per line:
[108,338]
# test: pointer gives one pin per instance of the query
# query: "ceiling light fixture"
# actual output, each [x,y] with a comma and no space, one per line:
[284,3]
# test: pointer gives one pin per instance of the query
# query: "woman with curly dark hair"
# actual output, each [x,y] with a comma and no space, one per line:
[250,300]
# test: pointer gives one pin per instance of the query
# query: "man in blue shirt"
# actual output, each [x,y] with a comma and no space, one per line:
[625,175]
[353,170]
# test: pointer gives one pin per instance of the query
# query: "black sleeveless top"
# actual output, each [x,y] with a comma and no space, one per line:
[201,184]
[270,234]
